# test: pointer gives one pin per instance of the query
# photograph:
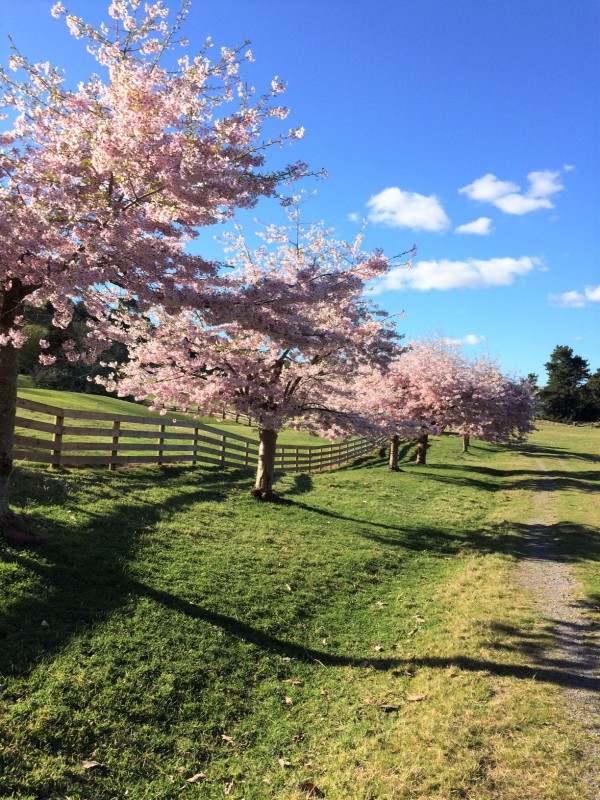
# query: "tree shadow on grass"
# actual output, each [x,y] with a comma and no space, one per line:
[81,572]
[530,449]
[302,484]
[561,671]
[537,481]
[379,458]
[579,542]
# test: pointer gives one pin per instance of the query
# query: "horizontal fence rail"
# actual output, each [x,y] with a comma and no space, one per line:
[67,437]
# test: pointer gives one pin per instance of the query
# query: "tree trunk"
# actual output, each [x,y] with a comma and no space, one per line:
[422,449]
[466,442]
[394,442]
[263,486]
[9,371]
[10,306]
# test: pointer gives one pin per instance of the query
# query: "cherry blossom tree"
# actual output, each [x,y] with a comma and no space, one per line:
[299,362]
[433,387]
[374,397]
[104,186]
[425,391]
[498,408]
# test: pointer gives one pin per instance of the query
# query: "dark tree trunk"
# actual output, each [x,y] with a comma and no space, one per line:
[394,442]
[422,449]
[466,442]
[263,486]
[8,405]
[10,306]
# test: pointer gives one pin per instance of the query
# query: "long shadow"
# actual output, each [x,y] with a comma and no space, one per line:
[363,462]
[82,570]
[586,475]
[537,482]
[559,671]
[530,449]
[579,541]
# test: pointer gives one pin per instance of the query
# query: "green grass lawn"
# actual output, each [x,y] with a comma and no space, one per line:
[363,639]
[112,405]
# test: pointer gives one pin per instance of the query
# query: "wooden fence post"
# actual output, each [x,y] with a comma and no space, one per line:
[59,424]
[247,454]
[112,465]
[161,441]
[195,451]
[223,445]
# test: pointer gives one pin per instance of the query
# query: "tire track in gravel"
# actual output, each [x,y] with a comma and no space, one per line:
[576,637]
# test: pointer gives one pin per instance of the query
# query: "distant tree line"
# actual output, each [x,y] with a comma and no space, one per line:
[572,392]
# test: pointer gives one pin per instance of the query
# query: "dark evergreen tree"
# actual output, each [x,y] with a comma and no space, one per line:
[563,396]
[532,378]
[591,399]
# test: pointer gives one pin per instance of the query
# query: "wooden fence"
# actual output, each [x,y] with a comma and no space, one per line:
[112,440]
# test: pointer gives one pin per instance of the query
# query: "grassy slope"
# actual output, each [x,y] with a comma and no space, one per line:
[112,405]
[189,629]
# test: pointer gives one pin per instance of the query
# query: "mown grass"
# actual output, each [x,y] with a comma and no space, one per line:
[361,639]
[113,405]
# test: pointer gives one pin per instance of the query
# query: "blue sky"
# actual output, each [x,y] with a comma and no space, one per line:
[467,128]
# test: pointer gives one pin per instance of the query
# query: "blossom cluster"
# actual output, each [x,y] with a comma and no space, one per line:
[104,186]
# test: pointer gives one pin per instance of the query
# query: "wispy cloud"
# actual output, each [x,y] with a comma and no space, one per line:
[479,227]
[397,208]
[471,339]
[575,299]
[473,273]
[354,217]
[508,196]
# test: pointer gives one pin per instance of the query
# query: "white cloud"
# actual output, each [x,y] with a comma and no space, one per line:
[479,227]
[508,197]
[488,189]
[575,299]
[471,339]
[521,204]
[592,293]
[473,273]
[353,217]
[396,208]
[544,183]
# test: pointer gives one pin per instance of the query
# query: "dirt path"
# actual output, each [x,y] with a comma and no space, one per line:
[575,657]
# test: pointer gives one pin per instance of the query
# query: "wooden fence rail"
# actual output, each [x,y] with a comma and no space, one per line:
[112,440]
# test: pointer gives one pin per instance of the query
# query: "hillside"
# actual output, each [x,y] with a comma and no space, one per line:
[113,405]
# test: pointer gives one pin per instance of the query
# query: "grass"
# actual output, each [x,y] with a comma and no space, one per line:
[361,639]
[112,405]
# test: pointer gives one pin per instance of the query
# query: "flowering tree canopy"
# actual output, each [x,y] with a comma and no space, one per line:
[296,362]
[432,387]
[499,408]
[103,186]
